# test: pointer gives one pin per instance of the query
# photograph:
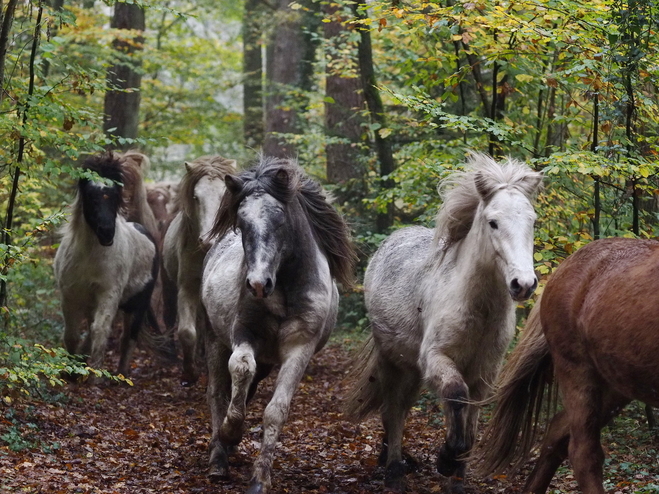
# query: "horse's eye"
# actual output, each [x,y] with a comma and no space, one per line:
[493,224]
[195,198]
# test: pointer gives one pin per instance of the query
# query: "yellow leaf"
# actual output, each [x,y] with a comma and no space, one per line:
[524,77]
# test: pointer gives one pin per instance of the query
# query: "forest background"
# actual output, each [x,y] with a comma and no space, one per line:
[378,99]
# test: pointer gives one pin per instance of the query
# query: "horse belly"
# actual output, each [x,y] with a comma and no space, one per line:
[623,343]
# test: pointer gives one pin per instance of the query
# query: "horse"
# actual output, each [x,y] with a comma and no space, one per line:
[161,197]
[593,336]
[104,263]
[442,309]
[270,292]
[185,245]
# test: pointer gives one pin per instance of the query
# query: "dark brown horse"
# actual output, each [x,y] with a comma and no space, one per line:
[593,337]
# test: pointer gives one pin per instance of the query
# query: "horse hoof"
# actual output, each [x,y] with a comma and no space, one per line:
[188,380]
[394,477]
[218,473]
[455,486]
[411,463]
[447,464]
[257,488]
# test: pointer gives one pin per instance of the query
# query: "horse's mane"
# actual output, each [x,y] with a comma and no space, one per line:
[204,166]
[136,207]
[461,196]
[328,227]
[105,165]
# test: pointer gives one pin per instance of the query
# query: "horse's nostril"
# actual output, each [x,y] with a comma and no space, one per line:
[248,284]
[515,286]
[268,284]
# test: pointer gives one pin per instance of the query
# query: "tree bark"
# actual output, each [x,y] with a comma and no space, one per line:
[284,71]
[376,110]
[343,113]
[9,218]
[7,20]
[252,75]
[122,99]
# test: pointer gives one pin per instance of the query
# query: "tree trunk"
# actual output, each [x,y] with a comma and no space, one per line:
[7,20]
[252,75]
[284,71]
[343,114]
[122,99]
[376,110]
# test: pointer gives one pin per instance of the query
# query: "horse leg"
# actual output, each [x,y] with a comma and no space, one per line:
[399,390]
[552,453]
[188,307]
[100,329]
[219,389]
[583,404]
[276,413]
[242,368]
[262,371]
[128,342]
[72,320]
[446,380]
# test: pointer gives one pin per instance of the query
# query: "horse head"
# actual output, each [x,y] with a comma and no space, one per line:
[202,191]
[101,202]
[507,219]
[261,218]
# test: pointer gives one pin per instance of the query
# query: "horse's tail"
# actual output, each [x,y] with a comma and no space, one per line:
[161,344]
[526,381]
[366,395]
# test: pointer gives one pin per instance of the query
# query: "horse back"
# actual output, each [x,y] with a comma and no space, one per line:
[600,312]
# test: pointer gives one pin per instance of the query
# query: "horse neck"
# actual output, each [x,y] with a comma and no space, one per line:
[475,268]
[301,234]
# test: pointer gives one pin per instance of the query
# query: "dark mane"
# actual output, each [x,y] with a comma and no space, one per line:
[105,165]
[327,225]
[205,166]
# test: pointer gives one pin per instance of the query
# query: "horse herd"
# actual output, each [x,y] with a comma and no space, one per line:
[250,266]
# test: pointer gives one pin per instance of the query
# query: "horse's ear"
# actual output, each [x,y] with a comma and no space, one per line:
[532,183]
[233,183]
[188,166]
[483,186]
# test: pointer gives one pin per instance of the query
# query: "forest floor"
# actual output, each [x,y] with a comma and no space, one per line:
[153,437]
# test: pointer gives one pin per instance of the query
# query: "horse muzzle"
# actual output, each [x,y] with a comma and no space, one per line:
[260,289]
[521,290]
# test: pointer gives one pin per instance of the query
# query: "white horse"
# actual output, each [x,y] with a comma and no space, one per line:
[443,309]
[185,245]
[104,263]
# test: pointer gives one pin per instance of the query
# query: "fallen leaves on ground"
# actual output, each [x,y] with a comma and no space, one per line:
[153,437]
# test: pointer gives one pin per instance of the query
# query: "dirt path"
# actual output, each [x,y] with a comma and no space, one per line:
[153,437]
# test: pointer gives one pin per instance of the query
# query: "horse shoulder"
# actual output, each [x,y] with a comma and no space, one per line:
[220,287]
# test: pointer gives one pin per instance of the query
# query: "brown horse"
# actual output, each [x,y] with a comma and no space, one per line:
[593,337]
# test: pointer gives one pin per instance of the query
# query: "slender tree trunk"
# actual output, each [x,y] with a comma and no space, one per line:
[343,113]
[122,99]
[57,6]
[284,71]
[376,110]
[7,20]
[9,217]
[593,148]
[252,75]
